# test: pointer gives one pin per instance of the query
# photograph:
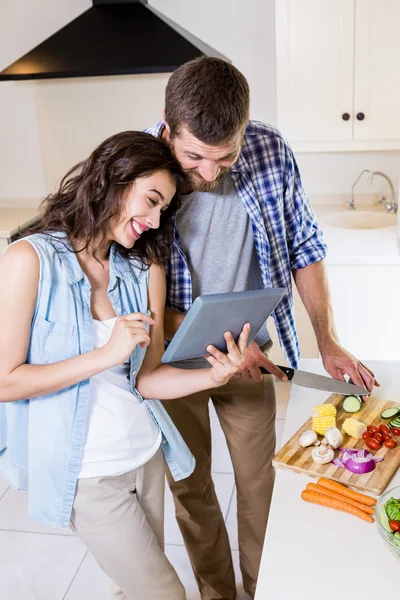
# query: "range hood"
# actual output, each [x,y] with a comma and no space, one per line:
[114,37]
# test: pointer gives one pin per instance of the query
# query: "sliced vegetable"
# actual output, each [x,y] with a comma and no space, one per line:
[342,489]
[354,428]
[360,465]
[313,487]
[342,505]
[394,423]
[359,462]
[352,404]
[389,413]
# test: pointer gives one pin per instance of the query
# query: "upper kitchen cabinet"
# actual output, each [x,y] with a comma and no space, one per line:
[338,75]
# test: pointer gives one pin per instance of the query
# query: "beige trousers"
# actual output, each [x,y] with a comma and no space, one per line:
[121,520]
[246,412]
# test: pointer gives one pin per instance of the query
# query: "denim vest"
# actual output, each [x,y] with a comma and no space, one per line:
[42,439]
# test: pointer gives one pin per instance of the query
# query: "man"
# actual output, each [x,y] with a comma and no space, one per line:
[245,223]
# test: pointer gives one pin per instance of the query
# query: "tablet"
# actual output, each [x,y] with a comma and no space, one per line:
[210,316]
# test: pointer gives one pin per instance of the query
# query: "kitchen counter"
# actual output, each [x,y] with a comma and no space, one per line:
[317,552]
[12,218]
[359,246]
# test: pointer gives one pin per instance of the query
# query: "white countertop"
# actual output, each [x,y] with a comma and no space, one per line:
[317,552]
[359,246]
[12,218]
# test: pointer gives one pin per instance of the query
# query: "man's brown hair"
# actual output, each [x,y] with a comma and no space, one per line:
[210,97]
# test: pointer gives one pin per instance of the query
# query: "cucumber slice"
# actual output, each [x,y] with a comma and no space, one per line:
[389,413]
[394,423]
[352,404]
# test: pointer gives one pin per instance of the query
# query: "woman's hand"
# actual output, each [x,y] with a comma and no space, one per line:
[129,331]
[224,366]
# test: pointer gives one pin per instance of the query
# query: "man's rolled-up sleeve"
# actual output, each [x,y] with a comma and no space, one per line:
[304,237]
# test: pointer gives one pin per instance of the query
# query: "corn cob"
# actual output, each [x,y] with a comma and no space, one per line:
[321,424]
[354,428]
[324,410]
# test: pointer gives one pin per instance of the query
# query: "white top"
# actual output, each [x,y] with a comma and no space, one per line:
[316,552]
[121,435]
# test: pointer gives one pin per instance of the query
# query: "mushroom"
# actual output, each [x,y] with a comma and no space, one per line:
[308,438]
[322,455]
[334,437]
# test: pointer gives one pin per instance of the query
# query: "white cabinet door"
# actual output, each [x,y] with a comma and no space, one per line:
[377,70]
[315,55]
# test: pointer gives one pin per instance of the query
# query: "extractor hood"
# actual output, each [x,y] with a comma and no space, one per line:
[113,37]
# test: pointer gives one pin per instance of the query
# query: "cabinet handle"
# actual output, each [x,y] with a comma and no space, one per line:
[360,116]
[345,116]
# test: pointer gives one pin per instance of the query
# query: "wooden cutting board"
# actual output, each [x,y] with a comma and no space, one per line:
[295,458]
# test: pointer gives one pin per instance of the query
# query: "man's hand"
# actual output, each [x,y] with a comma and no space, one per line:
[338,363]
[254,359]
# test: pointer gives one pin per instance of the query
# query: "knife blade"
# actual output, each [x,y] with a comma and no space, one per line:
[320,382]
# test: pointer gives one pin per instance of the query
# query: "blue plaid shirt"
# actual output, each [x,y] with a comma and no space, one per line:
[285,229]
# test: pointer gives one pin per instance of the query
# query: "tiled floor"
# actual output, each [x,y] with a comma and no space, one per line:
[39,563]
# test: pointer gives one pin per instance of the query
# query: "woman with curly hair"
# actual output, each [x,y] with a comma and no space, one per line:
[81,321]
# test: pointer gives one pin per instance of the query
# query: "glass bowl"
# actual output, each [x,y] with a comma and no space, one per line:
[392,543]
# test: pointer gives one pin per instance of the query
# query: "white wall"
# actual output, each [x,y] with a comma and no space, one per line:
[47,126]
[23,25]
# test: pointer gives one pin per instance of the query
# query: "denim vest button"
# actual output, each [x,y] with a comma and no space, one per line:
[133,373]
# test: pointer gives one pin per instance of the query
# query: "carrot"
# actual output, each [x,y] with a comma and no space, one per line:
[313,487]
[342,489]
[323,500]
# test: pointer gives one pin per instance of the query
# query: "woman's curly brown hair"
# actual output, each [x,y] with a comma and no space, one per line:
[90,199]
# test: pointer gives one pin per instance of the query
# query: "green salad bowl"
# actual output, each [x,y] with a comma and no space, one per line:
[391,540]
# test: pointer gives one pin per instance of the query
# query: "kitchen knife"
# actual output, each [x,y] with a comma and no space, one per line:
[320,382]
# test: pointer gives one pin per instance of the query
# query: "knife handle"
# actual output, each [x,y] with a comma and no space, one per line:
[287,370]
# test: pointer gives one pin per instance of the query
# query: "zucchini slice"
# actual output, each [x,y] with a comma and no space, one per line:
[394,423]
[352,404]
[390,413]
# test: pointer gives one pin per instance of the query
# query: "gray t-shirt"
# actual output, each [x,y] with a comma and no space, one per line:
[217,239]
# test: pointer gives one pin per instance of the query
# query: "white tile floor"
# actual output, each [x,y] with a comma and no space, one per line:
[39,563]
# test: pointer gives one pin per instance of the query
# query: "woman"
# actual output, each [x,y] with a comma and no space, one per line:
[81,313]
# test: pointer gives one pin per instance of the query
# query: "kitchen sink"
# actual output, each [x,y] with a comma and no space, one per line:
[360,219]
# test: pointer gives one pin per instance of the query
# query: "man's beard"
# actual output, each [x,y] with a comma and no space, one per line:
[199,185]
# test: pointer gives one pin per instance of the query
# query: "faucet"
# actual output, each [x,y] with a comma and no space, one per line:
[391,206]
[351,203]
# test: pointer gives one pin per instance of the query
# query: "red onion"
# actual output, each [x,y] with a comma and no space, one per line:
[357,461]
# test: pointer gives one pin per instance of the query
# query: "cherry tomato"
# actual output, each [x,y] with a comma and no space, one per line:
[373,443]
[373,428]
[367,434]
[384,428]
[394,525]
[395,431]
[386,436]
[390,443]
[378,437]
